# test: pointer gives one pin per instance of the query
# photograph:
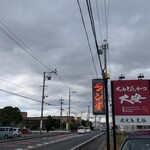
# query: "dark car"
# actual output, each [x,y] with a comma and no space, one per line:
[26,131]
[139,140]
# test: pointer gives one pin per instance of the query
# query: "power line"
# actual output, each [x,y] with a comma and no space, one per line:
[93,29]
[22,87]
[23,46]
[99,22]
[28,98]
[22,96]
[108,15]
[87,38]
[26,48]
[16,85]
[106,10]
[36,100]
[92,21]
[106,20]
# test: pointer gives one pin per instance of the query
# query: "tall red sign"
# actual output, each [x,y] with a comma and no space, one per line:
[131,100]
[98,96]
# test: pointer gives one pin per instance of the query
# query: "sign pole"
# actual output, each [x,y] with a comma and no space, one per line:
[113,118]
[107,114]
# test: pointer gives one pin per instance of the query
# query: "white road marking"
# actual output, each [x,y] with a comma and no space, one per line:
[74,148]
[30,146]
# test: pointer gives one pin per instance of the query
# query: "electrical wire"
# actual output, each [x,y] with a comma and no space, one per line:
[24,48]
[87,38]
[108,37]
[27,98]
[93,29]
[99,21]
[22,87]
[106,20]
[17,85]
[23,96]
[27,49]
[92,21]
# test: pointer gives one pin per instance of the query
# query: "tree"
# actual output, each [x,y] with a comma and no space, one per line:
[52,123]
[83,123]
[10,116]
[73,125]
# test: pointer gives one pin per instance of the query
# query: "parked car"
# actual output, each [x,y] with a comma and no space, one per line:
[81,130]
[26,131]
[88,130]
[104,129]
[6,132]
[16,132]
[139,140]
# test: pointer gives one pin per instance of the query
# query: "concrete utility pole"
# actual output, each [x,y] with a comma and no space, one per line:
[70,93]
[48,77]
[61,102]
[105,77]
[88,116]
[95,122]
[102,49]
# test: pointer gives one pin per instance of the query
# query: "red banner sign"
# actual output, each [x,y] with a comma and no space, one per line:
[131,100]
[131,97]
[98,96]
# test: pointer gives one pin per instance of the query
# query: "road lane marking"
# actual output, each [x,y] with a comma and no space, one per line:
[74,148]
[30,146]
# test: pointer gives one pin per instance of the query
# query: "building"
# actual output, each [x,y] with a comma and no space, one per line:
[34,122]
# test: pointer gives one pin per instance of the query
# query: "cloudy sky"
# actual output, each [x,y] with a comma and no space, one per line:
[39,36]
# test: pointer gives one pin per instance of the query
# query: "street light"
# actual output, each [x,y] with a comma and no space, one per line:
[140,76]
[70,93]
[122,76]
[48,77]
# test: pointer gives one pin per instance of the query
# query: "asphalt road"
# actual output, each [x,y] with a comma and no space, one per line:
[97,144]
[60,142]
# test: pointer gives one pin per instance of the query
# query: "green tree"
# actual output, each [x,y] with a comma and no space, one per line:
[52,123]
[10,116]
[73,125]
[83,123]
[49,123]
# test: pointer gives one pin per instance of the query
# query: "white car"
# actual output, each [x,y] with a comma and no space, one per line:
[6,132]
[81,130]
[88,130]
[16,132]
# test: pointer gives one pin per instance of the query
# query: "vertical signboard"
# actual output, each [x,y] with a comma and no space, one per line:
[98,96]
[131,100]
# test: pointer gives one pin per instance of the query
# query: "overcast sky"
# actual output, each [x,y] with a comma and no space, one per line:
[54,38]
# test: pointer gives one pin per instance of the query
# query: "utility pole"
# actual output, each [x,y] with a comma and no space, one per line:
[105,77]
[81,119]
[69,109]
[61,102]
[48,77]
[104,48]
[88,116]
[70,93]
[95,121]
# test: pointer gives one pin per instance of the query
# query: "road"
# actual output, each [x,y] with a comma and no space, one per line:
[97,144]
[63,142]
